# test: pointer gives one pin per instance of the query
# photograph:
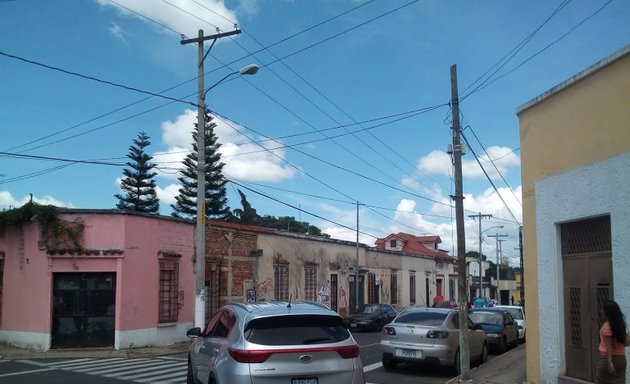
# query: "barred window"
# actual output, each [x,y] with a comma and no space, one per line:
[281,272]
[412,288]
[394,287]
[169,283]
[372,290]
[310,283]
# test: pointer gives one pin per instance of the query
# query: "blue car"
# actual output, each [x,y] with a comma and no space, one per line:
[500,328]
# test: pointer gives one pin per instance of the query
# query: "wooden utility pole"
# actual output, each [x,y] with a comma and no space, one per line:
[464,352]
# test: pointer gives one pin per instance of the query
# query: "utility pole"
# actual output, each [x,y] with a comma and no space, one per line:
[200,229]
[356,268]
[480,216]
[496,237]
[464,351]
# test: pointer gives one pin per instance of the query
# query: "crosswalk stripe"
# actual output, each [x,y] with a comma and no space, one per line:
[72,365]
[131,366]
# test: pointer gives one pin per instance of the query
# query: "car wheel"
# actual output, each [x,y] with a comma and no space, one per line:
[484,354]
[389,364]
[190,378]
[456,365]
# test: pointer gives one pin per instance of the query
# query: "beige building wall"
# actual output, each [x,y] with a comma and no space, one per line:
[583,120]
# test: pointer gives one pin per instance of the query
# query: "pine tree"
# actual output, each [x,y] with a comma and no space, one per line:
[138,185]
[247,215]
[216,195]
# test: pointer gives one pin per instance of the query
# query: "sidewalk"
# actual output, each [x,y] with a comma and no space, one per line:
[14,353]
[508,368]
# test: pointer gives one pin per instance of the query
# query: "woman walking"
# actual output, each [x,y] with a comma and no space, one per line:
[611,366]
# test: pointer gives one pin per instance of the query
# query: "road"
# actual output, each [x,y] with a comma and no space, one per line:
[172,369]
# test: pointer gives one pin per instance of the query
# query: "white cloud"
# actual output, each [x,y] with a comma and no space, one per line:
[117,31]
[185,17]
[8,201]
[167,194]
[243,160]
[438,162]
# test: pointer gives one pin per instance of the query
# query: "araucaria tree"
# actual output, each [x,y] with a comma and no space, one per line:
[138,184]
[215,196]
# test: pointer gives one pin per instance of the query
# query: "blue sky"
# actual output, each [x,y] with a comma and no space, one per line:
[350,104]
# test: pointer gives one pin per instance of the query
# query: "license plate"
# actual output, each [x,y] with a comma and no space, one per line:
[304,380]
[408,353]
[353,325]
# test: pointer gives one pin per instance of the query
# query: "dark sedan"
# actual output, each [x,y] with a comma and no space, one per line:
[371,316]
[500,327]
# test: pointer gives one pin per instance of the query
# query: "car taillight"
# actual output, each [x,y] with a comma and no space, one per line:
[260,356]
[388,331]
[437,335]
[249,356]
[348,351]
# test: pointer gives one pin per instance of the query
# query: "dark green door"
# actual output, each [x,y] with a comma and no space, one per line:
[83,310]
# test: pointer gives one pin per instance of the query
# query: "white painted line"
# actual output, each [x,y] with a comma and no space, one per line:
[27,372]
[372,367]
[369,345]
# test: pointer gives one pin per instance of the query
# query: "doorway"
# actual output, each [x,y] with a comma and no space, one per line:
[353,290]
[587,271]
[83,310]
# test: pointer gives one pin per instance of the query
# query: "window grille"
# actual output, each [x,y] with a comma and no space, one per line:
[394,288]
[412,288]
[372,291]
[333,291]
[169,283]
[392,243]
[310,283]
[281,273]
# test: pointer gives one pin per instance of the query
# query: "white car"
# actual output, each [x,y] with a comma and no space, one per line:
[518,313]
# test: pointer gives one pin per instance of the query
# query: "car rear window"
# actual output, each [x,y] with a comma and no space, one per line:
[517,314]
[296,330]
[422,318]
[481,317]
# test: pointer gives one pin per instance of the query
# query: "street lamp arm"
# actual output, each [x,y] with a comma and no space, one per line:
[246,70]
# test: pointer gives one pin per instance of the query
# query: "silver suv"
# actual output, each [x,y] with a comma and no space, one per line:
[274,342]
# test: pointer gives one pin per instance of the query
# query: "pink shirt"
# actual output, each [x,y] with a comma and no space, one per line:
[617,347]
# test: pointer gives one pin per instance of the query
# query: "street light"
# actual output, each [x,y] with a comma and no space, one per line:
[481,259]
[200,234]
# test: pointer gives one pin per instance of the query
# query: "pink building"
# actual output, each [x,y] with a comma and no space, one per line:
[96,278]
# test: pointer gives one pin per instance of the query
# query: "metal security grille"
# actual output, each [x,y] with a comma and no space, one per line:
[282,281]
[394,287]
[310,283]
[575,320]
[169,282]
[372,289]
[587,278]
[333,291]
[412,288]
[586,236]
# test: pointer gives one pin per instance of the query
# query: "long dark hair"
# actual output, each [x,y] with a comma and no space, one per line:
[616,319]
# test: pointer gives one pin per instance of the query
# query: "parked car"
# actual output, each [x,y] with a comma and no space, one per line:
[371,316]
[445,304]
[518,313]
[501,329]
[430,335]
[274,342]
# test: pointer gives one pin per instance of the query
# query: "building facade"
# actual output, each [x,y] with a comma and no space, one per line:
[575,146]
[96,279]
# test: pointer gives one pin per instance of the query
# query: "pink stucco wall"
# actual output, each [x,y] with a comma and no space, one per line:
[28,270]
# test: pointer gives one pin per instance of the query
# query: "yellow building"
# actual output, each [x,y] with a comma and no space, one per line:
[575,147]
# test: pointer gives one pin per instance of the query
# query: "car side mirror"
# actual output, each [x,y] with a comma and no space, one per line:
[194,332]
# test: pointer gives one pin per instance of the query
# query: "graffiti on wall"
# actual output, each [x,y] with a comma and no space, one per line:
[323,295]
[264,288]
[343,300]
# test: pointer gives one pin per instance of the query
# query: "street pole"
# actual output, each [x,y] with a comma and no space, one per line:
[480,216]
[496,236]
[464,352]
[520,247]
[200,229]
[356,269]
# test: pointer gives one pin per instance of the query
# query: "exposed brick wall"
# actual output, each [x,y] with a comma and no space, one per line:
[218,246]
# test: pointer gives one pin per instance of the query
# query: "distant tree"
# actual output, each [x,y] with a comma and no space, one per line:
[247,215]
[138,184]
[216,197]
[290,224]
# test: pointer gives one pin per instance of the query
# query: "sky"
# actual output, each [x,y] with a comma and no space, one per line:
[347,121]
